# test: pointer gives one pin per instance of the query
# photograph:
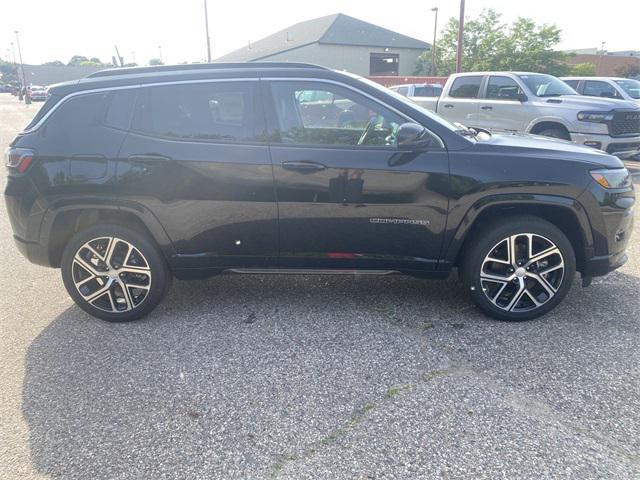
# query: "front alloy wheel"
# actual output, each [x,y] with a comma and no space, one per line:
[518,268]
[522,272]
[114,273]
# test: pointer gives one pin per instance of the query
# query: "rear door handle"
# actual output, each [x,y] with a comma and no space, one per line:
[149,158]
[486,107]
[303,166]
[448,105]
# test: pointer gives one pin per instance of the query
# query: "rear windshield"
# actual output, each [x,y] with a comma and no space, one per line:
[427,91]
[48,105]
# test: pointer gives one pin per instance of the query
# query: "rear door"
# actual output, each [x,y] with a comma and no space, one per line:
[461,103]
[501,109]
[196,159]
[347,196]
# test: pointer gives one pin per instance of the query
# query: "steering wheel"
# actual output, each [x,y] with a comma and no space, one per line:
[367,130]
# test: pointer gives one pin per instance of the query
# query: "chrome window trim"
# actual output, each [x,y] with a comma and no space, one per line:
[358,91]
[66,98]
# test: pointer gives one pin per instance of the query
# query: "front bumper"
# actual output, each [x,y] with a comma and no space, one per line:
[622,147]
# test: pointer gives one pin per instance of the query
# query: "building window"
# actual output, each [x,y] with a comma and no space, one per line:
[384,64]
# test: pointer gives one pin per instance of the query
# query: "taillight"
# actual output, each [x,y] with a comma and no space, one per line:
[19,159]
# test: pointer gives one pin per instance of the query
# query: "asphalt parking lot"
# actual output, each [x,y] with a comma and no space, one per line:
[297,377]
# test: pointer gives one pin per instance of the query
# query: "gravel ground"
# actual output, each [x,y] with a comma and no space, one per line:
[297,377]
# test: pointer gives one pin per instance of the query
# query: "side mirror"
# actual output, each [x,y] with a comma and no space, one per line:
[412,135]
[522,97]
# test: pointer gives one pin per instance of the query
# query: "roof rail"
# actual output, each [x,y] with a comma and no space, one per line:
[111,72]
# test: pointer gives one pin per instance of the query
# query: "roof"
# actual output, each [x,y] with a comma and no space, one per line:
[50,74]
[337,29]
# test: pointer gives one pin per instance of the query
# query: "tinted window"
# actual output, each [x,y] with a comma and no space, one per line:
[343,117]
[48,105]
[503,88]
[600,89]
[76,116]
[427,91]
[465,87]
[572,83]
[120,108]
[213,111]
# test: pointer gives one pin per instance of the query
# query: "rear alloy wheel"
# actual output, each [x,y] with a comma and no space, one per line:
[114,273]
[520,270]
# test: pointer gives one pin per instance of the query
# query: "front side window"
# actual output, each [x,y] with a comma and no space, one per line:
[466,87]
[542,85]
[632,87]
[335,116]
[216,111]
[503,88]
[595,88]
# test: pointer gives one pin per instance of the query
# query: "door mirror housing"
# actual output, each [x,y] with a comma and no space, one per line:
[412,135]
[522,97]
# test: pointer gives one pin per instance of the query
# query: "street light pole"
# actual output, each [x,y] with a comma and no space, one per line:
[24,79]
[160,53]
[433,46]
[460,38]
[206,27]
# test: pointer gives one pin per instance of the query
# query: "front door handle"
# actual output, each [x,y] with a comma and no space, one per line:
[448,105]
[303,166]
[486,107]
[149,158]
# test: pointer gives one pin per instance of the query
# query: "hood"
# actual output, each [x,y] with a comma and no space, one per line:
[583,102]
[536,146]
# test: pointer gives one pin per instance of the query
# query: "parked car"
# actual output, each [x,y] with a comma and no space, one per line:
[607,87]
[37,93]
[129,177]
[418,90]
[539,104]
[5,88]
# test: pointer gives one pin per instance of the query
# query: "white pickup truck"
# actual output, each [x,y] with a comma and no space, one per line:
[539,104]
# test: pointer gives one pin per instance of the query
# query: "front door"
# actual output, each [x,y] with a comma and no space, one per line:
[347,196]
[502,110]
[194,159]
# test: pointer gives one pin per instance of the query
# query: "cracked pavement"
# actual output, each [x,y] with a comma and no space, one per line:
[314,377]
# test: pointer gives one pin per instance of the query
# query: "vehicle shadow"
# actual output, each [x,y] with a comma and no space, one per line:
[231,374]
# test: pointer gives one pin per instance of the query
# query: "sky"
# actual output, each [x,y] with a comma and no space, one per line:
[145,29]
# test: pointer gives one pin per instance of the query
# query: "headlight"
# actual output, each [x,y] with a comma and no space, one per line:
[598,117]
[614,178]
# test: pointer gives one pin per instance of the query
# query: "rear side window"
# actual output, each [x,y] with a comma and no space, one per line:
[216,111]
[77,116]
[120,108]
[51,101]
[466,87]
[572,83]
[427,91]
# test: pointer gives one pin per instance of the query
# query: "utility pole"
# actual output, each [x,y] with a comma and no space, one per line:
[433,46]
[206,27]
[24,79]
[460,38]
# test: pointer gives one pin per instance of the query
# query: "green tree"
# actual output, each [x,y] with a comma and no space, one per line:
[56,63]
[423,65]
[77,60]
[490,44]
[583,70]
[8,72]
[630,70]
[155,61]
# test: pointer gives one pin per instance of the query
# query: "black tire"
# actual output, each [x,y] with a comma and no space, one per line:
[490,240]
[133,252]
[554,133]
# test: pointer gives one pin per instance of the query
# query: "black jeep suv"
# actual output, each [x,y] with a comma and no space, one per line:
[129,177]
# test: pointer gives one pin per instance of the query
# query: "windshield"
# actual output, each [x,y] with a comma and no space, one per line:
[632,87]
[435,117]
[542,85]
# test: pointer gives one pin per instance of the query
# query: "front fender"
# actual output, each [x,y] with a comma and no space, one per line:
[458,230]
